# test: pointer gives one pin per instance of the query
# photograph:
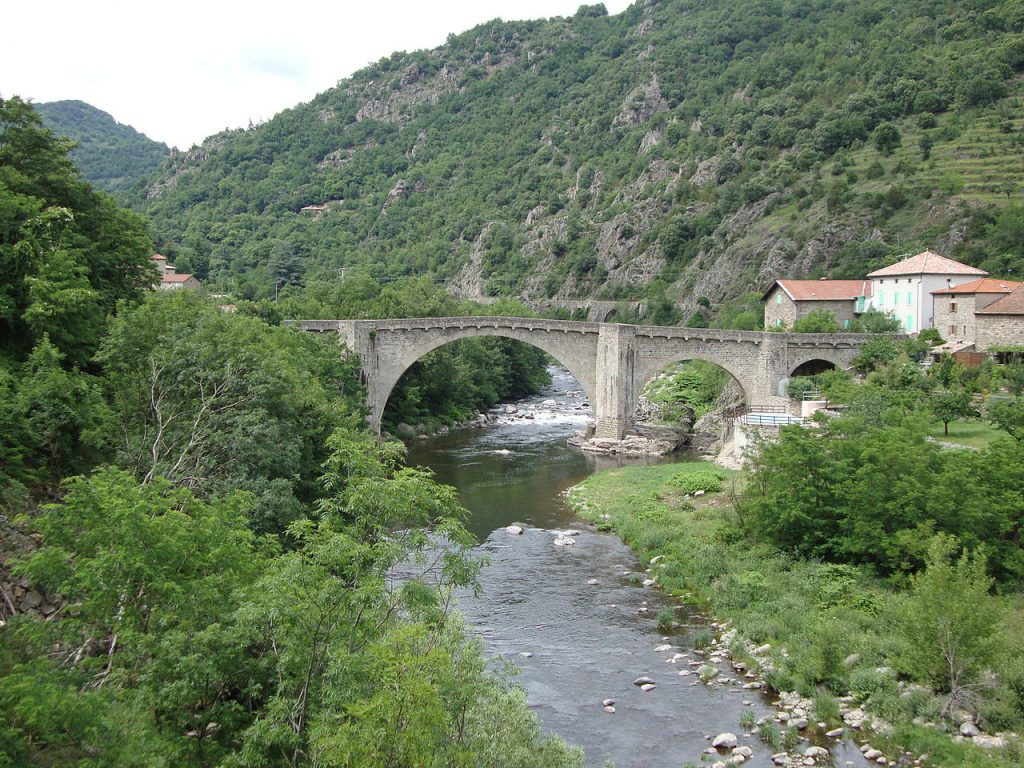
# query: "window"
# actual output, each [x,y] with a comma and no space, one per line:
[952,307]
[910,298]
[778,322]
[896,298]
[846,324]
[881,298]
[778,298]
[952,331]
[910,322]
[860,303]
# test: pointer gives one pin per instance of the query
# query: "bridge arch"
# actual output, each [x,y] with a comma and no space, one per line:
[813,367]
[574,354]
[645,373]
[815,361]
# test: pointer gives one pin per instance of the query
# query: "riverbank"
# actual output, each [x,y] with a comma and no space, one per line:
[825,633]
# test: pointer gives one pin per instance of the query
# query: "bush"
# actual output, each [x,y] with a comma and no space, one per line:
[708,481]
[950,622]
[816,321]
[872,683]
[799,386]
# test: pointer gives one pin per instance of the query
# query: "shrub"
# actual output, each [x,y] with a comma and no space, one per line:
[872,683]
[951,623]
[702,638]
[708,481]
[826,707]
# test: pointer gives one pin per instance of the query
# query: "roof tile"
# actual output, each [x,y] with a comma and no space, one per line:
[983,285]
[927,263]
[824,290]
[1011,304]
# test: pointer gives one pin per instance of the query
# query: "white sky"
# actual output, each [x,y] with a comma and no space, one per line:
[183,70]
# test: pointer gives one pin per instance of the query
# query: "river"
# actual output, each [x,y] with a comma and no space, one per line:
[575,620]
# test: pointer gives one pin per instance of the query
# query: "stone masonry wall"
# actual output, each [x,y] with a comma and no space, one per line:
[998,330]
[955,324]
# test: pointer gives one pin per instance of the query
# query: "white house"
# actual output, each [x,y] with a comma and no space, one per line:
[905,289]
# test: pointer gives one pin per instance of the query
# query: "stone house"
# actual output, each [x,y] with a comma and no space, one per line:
[906,289]
[1000,324]
[954,308]
[170,279]
[788,300]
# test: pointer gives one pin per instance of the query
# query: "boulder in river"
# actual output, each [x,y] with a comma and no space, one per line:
[643,680]
[724,741]
[564,541]
[516,530]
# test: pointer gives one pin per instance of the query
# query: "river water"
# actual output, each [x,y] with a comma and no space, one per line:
[577,643]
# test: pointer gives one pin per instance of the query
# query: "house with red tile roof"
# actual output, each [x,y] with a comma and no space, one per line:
[786,301]
[906,288]
[955,308]
[170,279]
[1000,324]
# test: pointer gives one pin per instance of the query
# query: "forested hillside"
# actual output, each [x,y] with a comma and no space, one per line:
[686,148]
[110,156]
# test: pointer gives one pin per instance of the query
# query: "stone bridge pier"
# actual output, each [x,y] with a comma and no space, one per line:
[612,362]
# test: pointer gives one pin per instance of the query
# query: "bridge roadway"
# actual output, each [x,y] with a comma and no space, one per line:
[612,362]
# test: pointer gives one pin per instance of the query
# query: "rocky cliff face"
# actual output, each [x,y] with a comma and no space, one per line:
[676,151]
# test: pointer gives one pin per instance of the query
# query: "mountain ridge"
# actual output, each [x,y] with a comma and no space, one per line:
[110,155]
[682,151]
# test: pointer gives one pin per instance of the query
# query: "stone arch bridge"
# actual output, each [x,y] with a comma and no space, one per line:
[612,362]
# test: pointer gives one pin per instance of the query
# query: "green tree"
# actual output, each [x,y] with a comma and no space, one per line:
[952,405]
[65,419]
[1011,376]
[951,624]
[887,138]
[215,401]
[876,321]
[876,352]
[67,254]
[816,321]
[1008,415]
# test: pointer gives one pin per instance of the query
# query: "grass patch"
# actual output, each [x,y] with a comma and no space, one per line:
[972,434]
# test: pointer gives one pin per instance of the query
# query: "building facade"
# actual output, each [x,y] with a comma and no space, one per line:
[906,289]
[955,309]
[789,300]
[1000,325]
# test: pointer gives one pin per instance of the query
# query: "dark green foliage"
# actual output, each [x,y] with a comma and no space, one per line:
[816,321]
[187,640]
[876,351]
[887,138]
[110,156]
[67,253]
[865,491]
[216,401]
